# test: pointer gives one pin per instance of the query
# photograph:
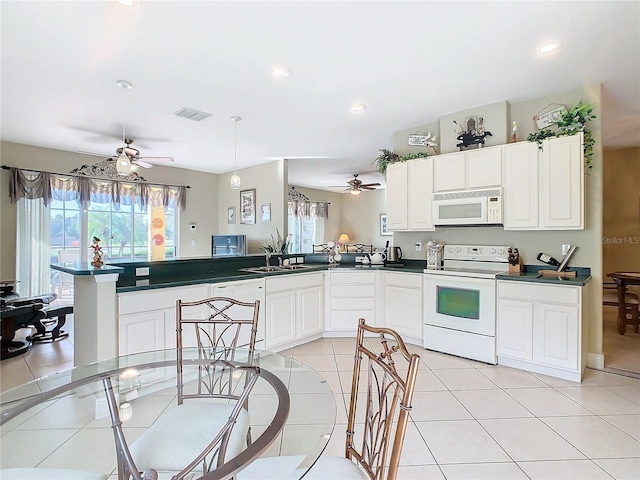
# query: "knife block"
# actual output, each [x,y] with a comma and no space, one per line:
[518,267]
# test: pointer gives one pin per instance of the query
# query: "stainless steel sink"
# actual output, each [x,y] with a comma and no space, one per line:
[274,268]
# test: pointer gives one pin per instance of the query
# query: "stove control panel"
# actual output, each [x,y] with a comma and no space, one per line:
[481,253]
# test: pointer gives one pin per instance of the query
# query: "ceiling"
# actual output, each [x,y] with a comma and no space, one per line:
[409,62]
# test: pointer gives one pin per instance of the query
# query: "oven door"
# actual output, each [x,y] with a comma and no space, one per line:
[460,211]
[460,303]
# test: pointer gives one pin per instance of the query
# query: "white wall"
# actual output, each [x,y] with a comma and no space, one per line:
[201,209]
[270,183]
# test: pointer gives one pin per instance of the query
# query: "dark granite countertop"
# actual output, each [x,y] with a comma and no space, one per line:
[532,274]
[85,269]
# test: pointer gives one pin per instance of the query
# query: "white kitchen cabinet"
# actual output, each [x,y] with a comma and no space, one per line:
[542,328]
[480,168]
[403,304]
[409,195]
[294,309]
[521,186]
[562,173]
[147,319]
[544,190]
[245,291]
[397,197]
[351,295]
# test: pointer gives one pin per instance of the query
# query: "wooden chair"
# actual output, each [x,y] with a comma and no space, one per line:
[183,437]
[631,303]
[382,409]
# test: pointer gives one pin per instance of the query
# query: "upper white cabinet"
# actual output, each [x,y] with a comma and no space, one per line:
[478,168]
[409,195]
[521,187]
[544,190]
[562,171]
[397,197]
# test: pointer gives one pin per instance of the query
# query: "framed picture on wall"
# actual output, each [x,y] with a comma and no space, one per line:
[383,225]
[231,215]
[248,206]
[265,212]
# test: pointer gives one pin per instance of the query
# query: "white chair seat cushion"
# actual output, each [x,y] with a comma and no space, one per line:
[183,432]
[287,468]
[612,297]
[49,474]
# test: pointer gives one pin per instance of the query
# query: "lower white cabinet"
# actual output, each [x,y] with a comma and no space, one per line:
[293,309]
[403,304]
[351,295]
[542,328]
[147,319]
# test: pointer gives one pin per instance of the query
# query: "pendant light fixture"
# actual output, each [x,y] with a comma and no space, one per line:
[235,178]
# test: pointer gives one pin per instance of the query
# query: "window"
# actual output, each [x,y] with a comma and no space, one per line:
[305,232]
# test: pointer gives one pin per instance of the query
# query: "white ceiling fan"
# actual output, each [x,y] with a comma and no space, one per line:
[356,186]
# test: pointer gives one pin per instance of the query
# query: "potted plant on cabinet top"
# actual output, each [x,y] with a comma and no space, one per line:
[387,157]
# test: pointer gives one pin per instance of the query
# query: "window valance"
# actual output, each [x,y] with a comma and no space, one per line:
[52,186]
[300,206]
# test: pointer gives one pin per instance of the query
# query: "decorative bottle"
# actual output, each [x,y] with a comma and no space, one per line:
[514,132]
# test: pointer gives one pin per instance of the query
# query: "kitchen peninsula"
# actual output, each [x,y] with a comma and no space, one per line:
[130,307]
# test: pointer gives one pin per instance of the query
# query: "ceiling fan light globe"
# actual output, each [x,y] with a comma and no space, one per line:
[235,181]
[355,192]
[123,165]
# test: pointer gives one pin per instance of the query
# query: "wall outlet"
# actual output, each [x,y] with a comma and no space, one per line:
[565,249]
[359,259]
[142,271]
[193,243]
[418,247]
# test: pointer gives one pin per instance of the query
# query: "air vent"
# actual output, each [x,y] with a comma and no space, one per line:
[192,114]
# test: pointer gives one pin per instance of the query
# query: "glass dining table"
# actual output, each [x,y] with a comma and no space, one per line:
[63,421]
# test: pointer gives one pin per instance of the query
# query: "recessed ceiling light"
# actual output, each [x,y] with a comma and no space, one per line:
[280,72]
[547,47]
[125,84]
[358,107]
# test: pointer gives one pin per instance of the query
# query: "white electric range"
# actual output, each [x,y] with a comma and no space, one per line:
[460,301]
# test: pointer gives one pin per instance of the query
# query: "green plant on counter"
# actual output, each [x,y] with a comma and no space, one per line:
[572,121]
[277,244]
[387,157]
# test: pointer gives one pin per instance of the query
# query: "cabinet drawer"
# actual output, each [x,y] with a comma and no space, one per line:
[357,278]
[351,291]
[407,280]
[162,298]
[348,320]
[353,303]
[238,289]
[540,293]
[293,281]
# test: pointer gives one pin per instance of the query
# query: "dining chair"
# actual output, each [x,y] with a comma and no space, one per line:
[217,326]
[321,248]
[631,303]
[359,248]
[378,415]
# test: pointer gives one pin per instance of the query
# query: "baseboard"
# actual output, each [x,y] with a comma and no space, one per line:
[595,361]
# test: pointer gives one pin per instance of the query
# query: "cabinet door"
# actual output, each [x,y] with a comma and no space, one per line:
[403,310]
[521,187]
[563,183]
[555,336]
[484,167]
[420,197]
[143,332]
[310,314]
[449,172]
[280,319]
[514,333]
[397,197]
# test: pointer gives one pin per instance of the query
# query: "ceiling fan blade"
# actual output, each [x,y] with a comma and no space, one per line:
[104,155]
[142,163]
[370,185]
[363,187]
[156,159]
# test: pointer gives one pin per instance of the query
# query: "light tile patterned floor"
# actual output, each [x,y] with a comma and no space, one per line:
[469,420]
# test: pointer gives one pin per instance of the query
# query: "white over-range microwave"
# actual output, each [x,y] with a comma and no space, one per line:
[468,207]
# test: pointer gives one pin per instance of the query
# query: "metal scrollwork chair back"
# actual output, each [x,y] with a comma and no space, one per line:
[359,248]
[321,248]
[217,326]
